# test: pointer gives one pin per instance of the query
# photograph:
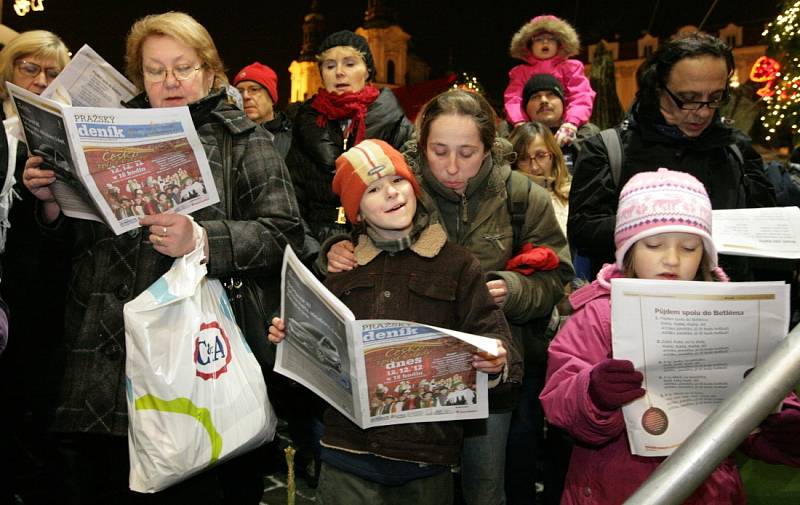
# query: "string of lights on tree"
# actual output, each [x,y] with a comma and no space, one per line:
[781,76]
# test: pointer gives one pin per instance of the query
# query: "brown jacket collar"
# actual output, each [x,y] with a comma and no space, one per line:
[427,245]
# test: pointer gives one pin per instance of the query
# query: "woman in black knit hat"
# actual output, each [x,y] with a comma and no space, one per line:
[346,110]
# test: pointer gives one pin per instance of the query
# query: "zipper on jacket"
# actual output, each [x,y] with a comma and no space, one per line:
[463,210]
[346,130]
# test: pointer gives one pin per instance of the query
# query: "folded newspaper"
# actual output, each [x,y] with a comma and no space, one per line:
[116,165]
[376,372]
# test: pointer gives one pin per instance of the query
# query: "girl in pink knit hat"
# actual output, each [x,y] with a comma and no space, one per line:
[546,44]
[663,231]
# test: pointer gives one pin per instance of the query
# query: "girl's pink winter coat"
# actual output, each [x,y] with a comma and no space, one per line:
[602,469]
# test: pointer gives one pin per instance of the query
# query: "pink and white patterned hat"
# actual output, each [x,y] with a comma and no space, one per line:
[662,202]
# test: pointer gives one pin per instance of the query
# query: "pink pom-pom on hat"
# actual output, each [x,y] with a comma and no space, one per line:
[662,202]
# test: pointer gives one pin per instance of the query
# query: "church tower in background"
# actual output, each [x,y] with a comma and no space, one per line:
[394,66]
[388,42]
[305,74]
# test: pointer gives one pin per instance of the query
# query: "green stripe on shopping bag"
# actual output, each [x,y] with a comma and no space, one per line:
[185,406]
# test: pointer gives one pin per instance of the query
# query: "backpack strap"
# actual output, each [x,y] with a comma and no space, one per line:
[517,201]
[611,140]
[733,147]
[734,156]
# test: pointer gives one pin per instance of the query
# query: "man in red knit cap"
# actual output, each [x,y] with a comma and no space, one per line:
[258,85]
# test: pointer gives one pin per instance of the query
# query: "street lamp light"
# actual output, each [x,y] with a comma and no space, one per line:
[22,7]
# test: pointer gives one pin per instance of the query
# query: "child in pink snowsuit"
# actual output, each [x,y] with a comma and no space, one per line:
[586,387]
[546,44]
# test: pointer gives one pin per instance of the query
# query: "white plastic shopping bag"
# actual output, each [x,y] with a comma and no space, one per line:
[196,395]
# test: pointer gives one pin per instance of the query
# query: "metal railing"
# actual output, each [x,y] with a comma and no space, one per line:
[722,432]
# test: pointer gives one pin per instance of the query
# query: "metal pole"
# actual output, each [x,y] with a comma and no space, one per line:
[719,435]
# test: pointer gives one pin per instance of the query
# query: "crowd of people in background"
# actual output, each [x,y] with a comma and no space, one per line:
[517,238]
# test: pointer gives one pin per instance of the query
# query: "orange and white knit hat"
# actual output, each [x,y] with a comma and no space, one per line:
[363,164]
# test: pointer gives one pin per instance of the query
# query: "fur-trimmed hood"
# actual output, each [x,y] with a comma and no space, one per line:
[569,42]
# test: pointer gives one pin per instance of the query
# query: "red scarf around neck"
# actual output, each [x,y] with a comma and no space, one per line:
[345,106]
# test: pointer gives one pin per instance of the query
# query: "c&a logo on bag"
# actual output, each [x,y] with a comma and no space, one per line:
[212,351]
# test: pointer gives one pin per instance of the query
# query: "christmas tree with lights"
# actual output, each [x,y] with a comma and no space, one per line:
[780,76]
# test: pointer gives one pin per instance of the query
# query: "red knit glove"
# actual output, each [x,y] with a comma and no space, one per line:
[532,258]
[613,383]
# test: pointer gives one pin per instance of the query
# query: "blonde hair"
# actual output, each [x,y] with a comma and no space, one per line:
[181,27]
[521,138]
[323,55]
[35,43]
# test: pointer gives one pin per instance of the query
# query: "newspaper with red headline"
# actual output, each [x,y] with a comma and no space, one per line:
[117,165]
[376,372]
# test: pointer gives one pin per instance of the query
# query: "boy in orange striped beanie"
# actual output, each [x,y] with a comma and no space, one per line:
[408,271]
[374,174]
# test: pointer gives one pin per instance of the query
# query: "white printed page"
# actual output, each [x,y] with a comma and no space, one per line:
[90,81]
[694,342]
[772,232]
[317,351]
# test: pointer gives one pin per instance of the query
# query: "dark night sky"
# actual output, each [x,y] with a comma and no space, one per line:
[469,34]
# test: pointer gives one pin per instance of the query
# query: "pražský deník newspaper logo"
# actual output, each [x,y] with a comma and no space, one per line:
[212,351]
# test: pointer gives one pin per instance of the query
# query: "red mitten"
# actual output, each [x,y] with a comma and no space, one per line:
[532,258]
[613,383]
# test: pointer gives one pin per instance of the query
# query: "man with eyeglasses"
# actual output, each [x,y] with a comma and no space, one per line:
[258,85]
[673,123]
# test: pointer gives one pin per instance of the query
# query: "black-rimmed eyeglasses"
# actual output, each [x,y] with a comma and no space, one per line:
[697,105]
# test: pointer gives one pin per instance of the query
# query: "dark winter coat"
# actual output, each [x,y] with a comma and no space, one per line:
[34,276]
[570,151]
[109,270]
[281,129]
[312,157]
[434,282]
[648,144]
